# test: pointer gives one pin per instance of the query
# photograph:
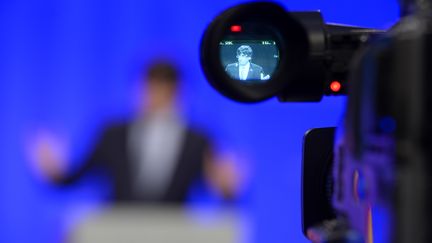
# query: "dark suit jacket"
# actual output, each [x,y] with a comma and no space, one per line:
[254,71]
[111,154]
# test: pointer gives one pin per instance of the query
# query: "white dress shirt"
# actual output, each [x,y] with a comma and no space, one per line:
[244,71]
[156,144]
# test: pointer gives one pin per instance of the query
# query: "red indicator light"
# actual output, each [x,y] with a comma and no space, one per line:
[335,86]
[236,28]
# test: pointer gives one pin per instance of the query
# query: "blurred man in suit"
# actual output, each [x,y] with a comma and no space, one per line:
[153,158]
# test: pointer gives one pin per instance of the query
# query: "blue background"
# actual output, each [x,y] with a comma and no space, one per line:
[71,65]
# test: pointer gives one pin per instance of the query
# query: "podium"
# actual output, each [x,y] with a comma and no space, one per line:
[157,224]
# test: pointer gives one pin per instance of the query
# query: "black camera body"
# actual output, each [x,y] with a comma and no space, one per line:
[377,164]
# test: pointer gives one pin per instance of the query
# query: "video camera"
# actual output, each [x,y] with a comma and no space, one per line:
[379,159]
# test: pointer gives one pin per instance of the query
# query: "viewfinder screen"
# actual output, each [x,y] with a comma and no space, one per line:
[249,61]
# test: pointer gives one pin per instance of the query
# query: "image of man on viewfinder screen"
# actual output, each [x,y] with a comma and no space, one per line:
[244,69]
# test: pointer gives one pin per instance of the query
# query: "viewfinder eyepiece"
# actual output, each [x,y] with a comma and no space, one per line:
[243,50]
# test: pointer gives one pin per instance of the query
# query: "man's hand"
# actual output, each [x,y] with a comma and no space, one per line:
[267,77]
[48,155]
[223,175]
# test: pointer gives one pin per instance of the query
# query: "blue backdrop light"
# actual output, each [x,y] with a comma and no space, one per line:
[70,65]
